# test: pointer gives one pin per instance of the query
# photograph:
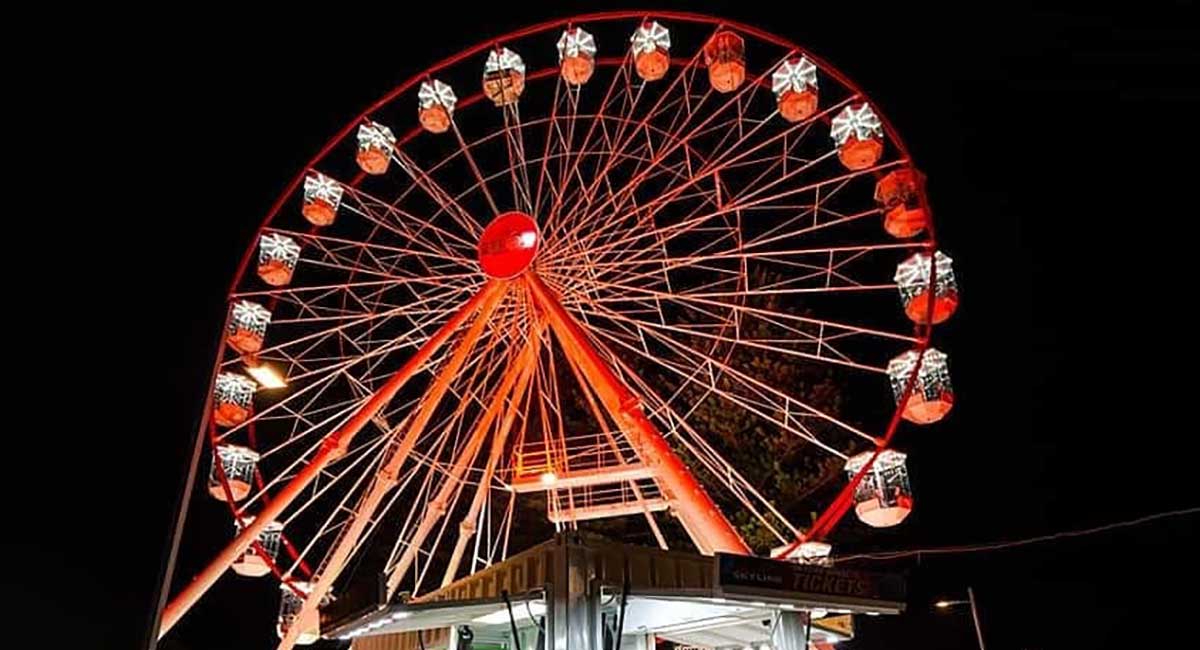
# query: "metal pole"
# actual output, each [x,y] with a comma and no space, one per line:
[975,617]
[624,601]
[512,620]
[167,569]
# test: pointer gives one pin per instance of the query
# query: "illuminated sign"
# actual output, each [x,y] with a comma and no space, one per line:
[787,580]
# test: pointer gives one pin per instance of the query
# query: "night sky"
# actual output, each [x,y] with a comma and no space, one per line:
[1061,155]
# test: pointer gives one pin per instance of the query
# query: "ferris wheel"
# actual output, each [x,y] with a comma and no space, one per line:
[517,280]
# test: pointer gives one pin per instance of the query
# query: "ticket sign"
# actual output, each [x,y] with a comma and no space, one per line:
[755,576]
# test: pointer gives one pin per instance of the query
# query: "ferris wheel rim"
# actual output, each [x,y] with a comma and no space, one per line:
[923,332]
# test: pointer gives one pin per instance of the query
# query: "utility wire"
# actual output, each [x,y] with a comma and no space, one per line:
[991,546]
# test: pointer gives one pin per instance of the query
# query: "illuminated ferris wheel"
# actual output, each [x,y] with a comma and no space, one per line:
[523,297]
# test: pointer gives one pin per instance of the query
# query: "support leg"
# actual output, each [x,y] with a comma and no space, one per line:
[333,447]
[701,517]
[517,374]
[386,478]
[466,529]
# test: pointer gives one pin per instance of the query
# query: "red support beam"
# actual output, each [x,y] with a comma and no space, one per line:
[514,384]
[333,447]
[709,528]
[387,476]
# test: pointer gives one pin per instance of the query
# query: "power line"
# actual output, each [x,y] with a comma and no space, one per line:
[991,546]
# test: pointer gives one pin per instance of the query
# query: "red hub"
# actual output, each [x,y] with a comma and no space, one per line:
[508,245]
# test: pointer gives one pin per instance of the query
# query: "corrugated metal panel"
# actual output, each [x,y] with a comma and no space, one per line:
[436,639]
[525,572]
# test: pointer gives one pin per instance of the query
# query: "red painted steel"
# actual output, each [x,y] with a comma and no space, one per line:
[333,447]
[711,530]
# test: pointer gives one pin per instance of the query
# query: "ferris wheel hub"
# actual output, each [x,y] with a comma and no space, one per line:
[508,245]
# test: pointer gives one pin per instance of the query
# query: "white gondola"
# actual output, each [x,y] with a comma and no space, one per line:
[503,76]
[376,143]
[253,564]
[858,133]
[912,279]
[794,83]
[233,399]
[247,326]
[435,106]
[651,50]
[238,465]
[576,55]
[277,259]
[932,395]
[322,198]
[884,497]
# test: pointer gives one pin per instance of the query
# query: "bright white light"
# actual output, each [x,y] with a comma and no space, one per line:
[548,478]
[819,613]
[764,646]
[872,613]
[519,612]
[528,239]
[399,615]
[266,376]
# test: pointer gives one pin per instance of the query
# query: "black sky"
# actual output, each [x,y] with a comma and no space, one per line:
[1061,154]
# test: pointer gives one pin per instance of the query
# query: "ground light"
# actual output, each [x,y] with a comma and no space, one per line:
[947,604]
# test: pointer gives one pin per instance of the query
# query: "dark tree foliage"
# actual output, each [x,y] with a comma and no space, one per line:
[784,467]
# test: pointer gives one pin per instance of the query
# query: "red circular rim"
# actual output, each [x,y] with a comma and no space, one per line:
[834,512]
